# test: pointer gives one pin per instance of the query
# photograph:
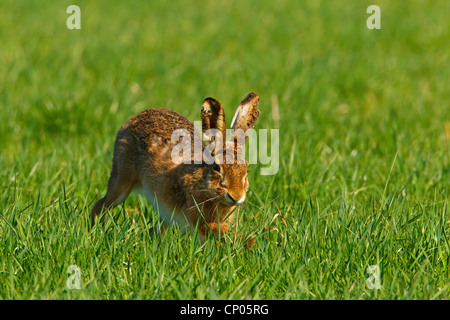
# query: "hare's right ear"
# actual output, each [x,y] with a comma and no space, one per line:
[213,117]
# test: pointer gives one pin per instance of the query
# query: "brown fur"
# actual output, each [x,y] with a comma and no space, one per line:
[195,193]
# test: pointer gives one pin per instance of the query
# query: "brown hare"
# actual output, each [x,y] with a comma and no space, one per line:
[187,193]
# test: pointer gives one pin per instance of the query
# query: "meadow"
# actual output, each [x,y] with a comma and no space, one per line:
[364,155]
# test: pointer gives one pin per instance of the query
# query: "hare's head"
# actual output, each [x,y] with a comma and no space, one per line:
[228,170]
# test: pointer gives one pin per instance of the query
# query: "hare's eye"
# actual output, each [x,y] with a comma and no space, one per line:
[216,167]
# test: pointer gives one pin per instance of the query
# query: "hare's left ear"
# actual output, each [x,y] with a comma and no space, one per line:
[246,115]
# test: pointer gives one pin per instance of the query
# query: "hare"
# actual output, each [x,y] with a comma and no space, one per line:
[186,193]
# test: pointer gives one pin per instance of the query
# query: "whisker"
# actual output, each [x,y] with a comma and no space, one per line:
[210,199]
[217,204]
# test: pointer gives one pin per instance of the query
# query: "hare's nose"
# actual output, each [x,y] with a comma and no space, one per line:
[236,201]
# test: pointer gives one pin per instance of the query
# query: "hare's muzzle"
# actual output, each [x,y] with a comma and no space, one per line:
[233,200]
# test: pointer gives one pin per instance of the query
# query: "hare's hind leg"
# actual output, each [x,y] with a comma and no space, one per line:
[114,196]
[120,184]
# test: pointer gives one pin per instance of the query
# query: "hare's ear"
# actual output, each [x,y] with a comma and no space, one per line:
[246,114]
[213,117]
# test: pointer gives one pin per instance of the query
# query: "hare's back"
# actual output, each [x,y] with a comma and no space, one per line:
[149,135]
[157,124]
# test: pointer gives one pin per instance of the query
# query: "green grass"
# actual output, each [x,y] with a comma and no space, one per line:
[364,174]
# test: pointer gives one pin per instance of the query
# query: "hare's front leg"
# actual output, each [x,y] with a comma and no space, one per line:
[219,230]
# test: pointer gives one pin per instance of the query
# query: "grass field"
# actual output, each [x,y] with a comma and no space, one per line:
[364,176]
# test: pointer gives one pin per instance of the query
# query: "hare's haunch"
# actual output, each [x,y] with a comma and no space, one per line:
[184,193]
